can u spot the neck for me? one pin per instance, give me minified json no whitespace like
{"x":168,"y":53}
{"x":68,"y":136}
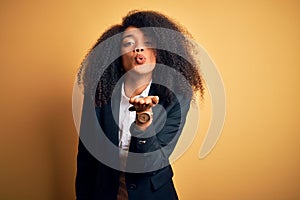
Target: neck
{"x":134,"y":86}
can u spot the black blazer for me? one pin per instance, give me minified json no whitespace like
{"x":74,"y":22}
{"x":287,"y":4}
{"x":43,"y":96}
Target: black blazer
{"x":97,"y":181}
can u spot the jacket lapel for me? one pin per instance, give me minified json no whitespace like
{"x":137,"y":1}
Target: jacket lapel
{"x":110,"y":117}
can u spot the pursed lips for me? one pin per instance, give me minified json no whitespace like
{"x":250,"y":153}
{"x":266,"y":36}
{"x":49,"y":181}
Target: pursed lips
{"x":140,"y":59}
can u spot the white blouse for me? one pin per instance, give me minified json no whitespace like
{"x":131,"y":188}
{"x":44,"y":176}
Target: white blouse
{"x":126,"y":118}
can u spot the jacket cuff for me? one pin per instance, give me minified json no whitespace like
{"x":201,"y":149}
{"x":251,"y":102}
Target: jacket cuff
{"x":136,"y":132}
{"x":143,"y":141}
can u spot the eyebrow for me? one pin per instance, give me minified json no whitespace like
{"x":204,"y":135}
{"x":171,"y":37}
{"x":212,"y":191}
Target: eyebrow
{"x":131,"y":35}
{"x":126,"y":36}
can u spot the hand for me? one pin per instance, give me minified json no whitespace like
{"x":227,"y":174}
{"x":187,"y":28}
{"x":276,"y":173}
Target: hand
{"x":143,"y":103}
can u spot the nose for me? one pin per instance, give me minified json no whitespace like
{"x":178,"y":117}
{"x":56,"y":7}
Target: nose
{"x":138,"y":50}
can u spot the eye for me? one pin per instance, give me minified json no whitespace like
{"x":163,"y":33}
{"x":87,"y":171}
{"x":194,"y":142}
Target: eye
{"x":128,"y":43}
{"x":149,"y":44}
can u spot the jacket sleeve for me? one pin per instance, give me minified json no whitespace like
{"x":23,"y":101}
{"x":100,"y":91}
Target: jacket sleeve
{"x":155,"y":144}
{"x":86,"y":167}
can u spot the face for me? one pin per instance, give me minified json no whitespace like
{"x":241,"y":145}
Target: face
{"x":138,"y":54}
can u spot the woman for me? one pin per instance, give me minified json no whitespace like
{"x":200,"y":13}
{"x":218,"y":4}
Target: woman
{"x":141,"y":106}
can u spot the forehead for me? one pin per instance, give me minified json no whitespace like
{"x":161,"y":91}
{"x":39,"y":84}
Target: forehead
{"x":134,"y":32}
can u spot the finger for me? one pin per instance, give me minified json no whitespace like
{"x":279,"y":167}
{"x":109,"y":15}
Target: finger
{"x":155,"y":99}
{"x":131,"y":100}
{"x":137,"y":101}
{"x":142,"y":101}
{"x":148,"y":100}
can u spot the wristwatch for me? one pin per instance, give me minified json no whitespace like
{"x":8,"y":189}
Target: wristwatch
{"x":144,"y":116}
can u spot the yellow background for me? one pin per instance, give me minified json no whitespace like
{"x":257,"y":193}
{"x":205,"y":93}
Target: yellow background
{"x":255,"y":45}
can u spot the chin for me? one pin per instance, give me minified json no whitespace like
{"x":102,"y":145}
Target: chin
{"x":143,"y":69}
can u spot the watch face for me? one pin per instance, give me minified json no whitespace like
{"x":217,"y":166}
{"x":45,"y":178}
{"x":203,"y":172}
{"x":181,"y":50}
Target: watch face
{"x":143,"y":117}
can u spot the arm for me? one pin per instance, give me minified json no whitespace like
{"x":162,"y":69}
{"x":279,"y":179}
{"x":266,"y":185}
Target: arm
{"x":156,"y":146}
{"x":86,"y":166}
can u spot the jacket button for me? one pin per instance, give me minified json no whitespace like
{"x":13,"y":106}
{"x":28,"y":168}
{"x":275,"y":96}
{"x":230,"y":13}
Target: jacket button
{"x":132,"y":186}
{"x":142,"y":141}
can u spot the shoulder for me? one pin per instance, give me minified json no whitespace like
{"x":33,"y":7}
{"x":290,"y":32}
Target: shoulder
{"x":168,"y":96}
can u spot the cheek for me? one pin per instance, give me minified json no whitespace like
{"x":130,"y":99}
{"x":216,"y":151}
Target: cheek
{"x":152,"y":57}
{"x":125,"y":61}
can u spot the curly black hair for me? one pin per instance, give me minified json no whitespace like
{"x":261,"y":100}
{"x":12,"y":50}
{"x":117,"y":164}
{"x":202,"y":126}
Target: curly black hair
{"x":102,"y":67}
